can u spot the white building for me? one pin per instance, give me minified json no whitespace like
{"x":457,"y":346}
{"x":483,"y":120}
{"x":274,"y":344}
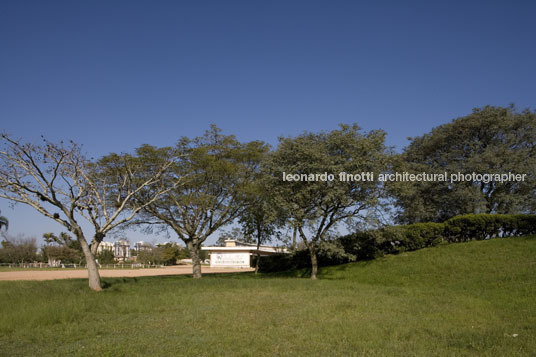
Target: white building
{"x":237,"y":254}
{"x":122,"y":250}
{"x":105,"y":246}
{"x":141,"y":245}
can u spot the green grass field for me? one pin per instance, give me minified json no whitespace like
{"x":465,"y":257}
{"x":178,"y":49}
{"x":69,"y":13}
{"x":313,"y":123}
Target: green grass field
{"x":476,"y":298}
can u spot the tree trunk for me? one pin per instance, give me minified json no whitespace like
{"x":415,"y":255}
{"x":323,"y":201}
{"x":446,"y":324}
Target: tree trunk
{"x":258,"y":257}
{"x":92,"y":268}
{"x":294,"y":238}
{"x":314,"y":262}
{"x":257,"y":263}
{"x":259,"y":237}
{"x":196,"y":261}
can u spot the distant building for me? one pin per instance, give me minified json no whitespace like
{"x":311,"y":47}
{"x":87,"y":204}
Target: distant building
{"x":122,"y":250}
{"x":238,"y":254}
{"x":141,"y":245}
{"x":105,"y":246}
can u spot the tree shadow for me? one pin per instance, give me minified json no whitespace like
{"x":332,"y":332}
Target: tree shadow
{"x":108,"y":283}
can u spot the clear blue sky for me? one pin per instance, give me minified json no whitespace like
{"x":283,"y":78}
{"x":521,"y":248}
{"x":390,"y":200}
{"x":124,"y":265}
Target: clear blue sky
{"x":116,"y":74}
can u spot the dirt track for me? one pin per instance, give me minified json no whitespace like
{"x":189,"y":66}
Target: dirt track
{"x":110,"y":273}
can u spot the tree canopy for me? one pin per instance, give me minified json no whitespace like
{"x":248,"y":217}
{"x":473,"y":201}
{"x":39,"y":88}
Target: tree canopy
{"x":318,"y":206}
{"x":489,"y":140}
{"x":217,"y":171}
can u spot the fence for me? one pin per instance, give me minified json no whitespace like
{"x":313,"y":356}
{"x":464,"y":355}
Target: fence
{"x":79,"y":266}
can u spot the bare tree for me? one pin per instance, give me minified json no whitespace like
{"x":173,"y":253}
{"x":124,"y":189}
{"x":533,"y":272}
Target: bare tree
{"x":60,"y":183}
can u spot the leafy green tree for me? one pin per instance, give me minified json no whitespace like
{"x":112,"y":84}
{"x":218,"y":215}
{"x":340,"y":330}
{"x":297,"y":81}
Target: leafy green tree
{"x":18,"y":249}
{"x":62,"y":247}
{"x":106,"y":256}
{"x":61,"y":253}
{"x":166,"y":254}
{"x":170,"y":253}
{"x":235,"y":233}
{"x":261,"y":218}
{"x":316,"y":207}
{"x":150,"y":256}
{"x":217,"y":169}
{"x":489,"y":140}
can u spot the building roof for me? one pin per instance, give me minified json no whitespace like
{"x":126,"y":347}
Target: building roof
{"x":246,"y":249}
{"x":234,"y":245}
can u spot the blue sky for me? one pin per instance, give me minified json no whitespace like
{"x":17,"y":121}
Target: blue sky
{"x":113,"y":75}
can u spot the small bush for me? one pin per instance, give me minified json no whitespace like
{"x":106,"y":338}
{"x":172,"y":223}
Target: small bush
{"x":363,"y":245}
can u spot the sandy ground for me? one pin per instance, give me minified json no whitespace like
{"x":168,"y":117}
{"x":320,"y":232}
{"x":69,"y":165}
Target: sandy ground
{"x":110,"y":273}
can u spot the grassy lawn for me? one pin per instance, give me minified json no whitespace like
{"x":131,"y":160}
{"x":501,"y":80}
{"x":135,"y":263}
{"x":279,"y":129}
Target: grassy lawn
{"x":476,"y":298}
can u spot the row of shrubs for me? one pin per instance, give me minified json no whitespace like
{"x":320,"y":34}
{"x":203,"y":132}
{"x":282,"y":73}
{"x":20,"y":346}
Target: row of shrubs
{"x":395,"y":239}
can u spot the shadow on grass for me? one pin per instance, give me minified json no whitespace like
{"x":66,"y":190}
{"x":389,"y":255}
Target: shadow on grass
{"x":118,"y":284}
{"x":113,"y":283}
{"x":335,"y":272}
{"x":326,"y":272}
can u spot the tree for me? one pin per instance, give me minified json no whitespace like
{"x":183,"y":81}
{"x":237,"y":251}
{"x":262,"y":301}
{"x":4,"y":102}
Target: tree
{"x":61,"y":253}
{"x":4,"y":223}
{"x":235,"y":233}
{"x":261,"y":216}
{"x":217,"y":170}
{"x":62,"y":248}
{"x":60,"y":183}
{"x":489,"y":140}
{"x":170,"y":253}
{"x":106,"y":257}
{"x":18,"y":249}
{"x":64,"y":239}
{"x":149,"y":256}
{"x":167,"y":254}
{"x":317,"y":206}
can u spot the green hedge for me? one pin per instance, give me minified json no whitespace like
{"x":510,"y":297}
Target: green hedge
{"x":395,"y":239}
{"x":329,"y":253}
{"x":485,"y":226}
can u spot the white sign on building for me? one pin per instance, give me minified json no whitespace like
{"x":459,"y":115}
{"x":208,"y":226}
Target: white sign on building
{"x":230,"y":260}
{"x":237,"y":254}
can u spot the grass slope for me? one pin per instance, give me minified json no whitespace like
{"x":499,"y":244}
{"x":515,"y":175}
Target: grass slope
{"x":460,"y":299}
